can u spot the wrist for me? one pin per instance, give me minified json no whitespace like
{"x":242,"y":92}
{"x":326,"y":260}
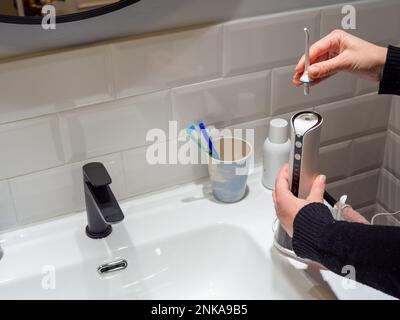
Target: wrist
{"x":381,"y":61}
{"x":390,"y":81}
{"x":308,"y":228}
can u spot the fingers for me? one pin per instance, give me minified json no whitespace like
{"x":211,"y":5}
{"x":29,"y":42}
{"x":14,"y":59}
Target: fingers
{"x":296,"y":79}
{"x":331,"y":42}
{"x":322,"y":66}
{"x":297,"y":76}
{"x":322,"y":70}
{"x":351,"y":215}
{"x":300,"y":66}
{"x":315,"y":82}
{"x":296,"y":82}
{"x":327,"y":68}
{"x":317,"y":189}
{"x":282,"y":182}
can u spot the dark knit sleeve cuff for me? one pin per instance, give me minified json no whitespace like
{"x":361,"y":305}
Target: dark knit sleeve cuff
{"x":308,"y":229}
{"x":390,"y":83}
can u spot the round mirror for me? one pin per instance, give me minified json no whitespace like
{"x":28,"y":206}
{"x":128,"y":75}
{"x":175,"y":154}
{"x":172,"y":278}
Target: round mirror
{"x":33,"y":11}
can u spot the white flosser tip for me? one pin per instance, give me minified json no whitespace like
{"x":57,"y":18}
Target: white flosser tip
{"x":305,"y":78}
{"x":306,"y":89}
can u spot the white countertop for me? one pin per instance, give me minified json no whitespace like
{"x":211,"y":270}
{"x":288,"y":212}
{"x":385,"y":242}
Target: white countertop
{"x":177,"y":213}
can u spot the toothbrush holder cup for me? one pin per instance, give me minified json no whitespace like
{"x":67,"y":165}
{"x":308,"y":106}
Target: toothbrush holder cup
{"x":228,"y":174}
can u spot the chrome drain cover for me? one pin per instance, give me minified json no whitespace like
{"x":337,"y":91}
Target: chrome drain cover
{"x":113,"y":266}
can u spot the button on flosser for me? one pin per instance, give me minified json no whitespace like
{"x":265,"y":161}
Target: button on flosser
{"x":305,"y":79}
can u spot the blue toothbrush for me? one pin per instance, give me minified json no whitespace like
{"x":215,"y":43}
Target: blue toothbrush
{"x":212,"y":151}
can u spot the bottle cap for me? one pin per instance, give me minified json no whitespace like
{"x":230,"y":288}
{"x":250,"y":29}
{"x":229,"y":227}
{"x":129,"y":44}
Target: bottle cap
{"x":278,"y":132}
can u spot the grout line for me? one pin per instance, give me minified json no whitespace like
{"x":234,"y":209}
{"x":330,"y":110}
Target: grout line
{"x":391,"y":131}
{"x":124,"y":175}
{"x":116,"y":40}
{"x":379,"y":203}
{"x":223,"y":46}
{"x":221,"y":50}
{"x":14,"y":204}
{"x":110,"y":69}
{"x":146,"y":145}
{"x":321,"y":22}
{"x":392,"y":173}
{"x":116,"y":98}
{"x":271,"y":95}
{"x":353,"y":137}
{"x":350,"y":158}
{"x":49,"y":114}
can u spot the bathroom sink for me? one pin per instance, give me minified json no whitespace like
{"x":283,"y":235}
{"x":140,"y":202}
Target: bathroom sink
{"x":220,"y":262}
{"x":179,"y":244}
{"x":214,"y":263}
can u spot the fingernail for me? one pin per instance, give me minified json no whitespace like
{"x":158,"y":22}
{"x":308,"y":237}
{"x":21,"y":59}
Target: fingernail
{"x":322,"y":178}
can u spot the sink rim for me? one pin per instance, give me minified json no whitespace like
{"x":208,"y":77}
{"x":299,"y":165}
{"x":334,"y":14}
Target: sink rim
{"x":149,"y":218}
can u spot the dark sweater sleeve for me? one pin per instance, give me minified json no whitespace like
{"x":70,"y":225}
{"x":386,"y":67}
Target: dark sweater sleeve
{"x":374,"y":251}
{"x":390,"y":83}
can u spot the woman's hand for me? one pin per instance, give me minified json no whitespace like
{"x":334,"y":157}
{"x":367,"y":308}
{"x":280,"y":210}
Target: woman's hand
{"x":287,"y":205}
{"x":350,"y":215}
{"x":341,"y":51}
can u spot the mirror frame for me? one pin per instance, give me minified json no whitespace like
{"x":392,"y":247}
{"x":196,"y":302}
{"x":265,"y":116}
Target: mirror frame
{"x":37,"y":20}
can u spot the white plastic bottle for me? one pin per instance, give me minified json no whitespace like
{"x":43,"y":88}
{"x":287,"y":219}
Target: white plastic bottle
{"x":275,"y":151}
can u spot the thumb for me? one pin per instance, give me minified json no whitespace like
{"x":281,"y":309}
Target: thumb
{"x":317,"y":189}
{"x":326,"y":68}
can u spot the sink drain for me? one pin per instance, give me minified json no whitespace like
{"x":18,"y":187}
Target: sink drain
{"x":113,"y":266}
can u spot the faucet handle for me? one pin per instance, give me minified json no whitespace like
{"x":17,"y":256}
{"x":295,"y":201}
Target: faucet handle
{"x":96,"y":174}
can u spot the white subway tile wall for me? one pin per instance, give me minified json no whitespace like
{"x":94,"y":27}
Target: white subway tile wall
{"x":30,"y":145}
{"x":113,"y":126}
{"x":389,"y":183}
{"x":8,"y":217}
{"x":394,"y":120}
{"x":97,"y":103}
{"x":388,"y":191}
{"x":334,"y":160}
{"x":142,"y":177}
{"x":361,"y":189}
{"x":376,"y":21}
{"x":392,"y":155}
{"x":380,"y":209}
{"x":260,"y":43}
{"x":166,"y":61}
{"x":219,"y":102}
{"x":286,"y":97}
{"x":366,"y":86}
{"x":261,"y":128}
{"x":55,"y":82}
{"x":354,"y":117}
{"x":367,"y":153}
{"x":59,"y":190}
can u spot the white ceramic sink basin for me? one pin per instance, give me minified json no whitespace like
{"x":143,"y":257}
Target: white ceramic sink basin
{"x":217,"y":262}
{"x":179,"y":244}
{"x":220,"y":262}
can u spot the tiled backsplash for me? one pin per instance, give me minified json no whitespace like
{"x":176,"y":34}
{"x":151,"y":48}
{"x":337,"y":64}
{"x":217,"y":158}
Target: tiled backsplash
{"x":60,"y":110}
{"x":389,"y":182}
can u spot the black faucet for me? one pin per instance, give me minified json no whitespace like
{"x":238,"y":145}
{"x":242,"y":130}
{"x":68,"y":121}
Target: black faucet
{"x":101,"y":206}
